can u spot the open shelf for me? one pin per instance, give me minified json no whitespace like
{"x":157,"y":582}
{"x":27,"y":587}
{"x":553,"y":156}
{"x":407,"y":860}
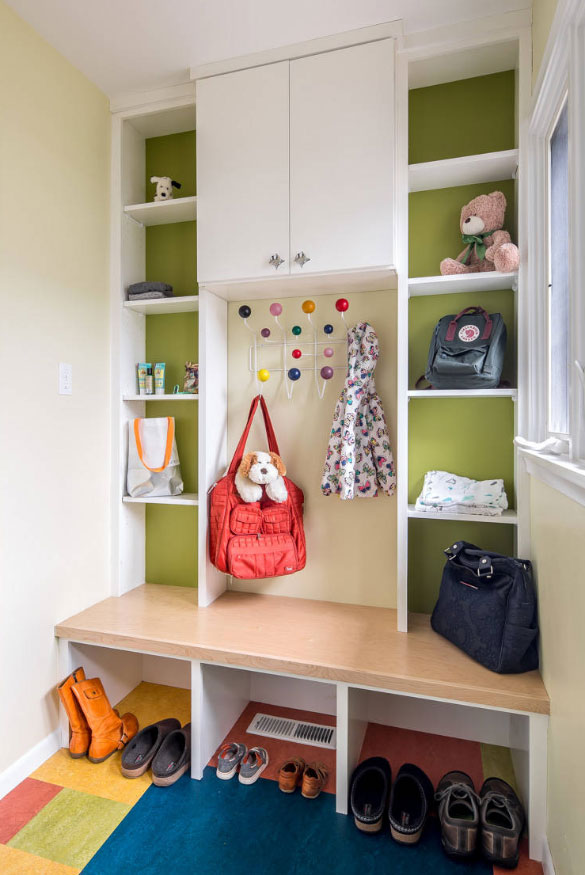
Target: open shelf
{"x":508,"y":517}
{"x":183,"y":396}
{"x":488,"y":281}
{"x":157,"y":306}
{"x":187,"y":499}
{"x":463,"y":393}
{"x":486,"y":167}
{"x":183,"y":209}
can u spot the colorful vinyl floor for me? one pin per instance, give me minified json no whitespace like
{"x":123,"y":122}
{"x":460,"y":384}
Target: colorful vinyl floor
{"x":71,"y":816}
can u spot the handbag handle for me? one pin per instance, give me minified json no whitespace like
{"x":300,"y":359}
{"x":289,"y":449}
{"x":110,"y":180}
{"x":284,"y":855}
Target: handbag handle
{"x":272,"y":443}
{"x":453,"y":323}
{"x":168,"y":448}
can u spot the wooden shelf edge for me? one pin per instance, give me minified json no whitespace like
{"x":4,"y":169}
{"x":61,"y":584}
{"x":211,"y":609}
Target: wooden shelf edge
{"x":508,"y":517}
{"x":465,"y":170}
{"x":156,"y":306}
{"x":186,"y":499}
{"x":463,"y":393}
{"x":179,"y":396}
{"x":488,"y":281}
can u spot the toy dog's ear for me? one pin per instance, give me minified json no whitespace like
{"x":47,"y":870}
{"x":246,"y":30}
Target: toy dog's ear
{"x":246,"y":463}
{"x":176,"y":184}
{"x":155,"y":178}
{"x":278,"y":464}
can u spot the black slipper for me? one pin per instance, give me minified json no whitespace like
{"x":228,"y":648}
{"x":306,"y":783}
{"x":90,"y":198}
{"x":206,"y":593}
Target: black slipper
{"x":173,"y":758}
{"x":140,"y":752}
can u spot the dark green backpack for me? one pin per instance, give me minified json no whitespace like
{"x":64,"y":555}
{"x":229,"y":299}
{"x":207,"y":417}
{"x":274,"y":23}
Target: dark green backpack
{"x":467,"y":351}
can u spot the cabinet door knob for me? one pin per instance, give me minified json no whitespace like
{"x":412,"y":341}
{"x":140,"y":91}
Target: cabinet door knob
{"x":275,"y":260}
{"x":301,"y":259}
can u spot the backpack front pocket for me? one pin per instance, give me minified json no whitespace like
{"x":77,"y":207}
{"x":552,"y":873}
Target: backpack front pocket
{"x":276,"y":520}
{"x":253,"y":557}
{"x":246,"y":519}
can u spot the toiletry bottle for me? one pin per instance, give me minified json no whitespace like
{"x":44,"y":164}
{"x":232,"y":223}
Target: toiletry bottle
{"x":149,"y":381}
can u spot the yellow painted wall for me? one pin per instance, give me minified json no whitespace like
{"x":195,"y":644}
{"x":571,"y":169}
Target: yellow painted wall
{"x":54,"y":519}
{"x":558,"y":525}
{"x":543,"y":12}
{"x":351,"y":545}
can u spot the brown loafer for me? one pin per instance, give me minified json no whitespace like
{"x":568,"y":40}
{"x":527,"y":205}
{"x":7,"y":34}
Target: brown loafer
{"x":291,"y":774}
{"x":314,"y":779}
{"x":502,"y":821}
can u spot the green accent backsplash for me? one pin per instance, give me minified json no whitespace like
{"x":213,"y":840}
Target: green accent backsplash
{"x":171,"y":532}
{"x":462,"y":118}
{"x":472,"y":437}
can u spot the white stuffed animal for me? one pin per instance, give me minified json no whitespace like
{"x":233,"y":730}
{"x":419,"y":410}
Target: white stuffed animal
{"x":164,"y":187}
{"x":259,"y":470}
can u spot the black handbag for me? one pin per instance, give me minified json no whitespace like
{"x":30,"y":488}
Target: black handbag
{"x":487,"y":607}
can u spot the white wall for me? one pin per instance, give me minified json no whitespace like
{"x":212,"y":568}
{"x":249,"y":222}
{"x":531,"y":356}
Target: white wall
{"x":54,"y":450}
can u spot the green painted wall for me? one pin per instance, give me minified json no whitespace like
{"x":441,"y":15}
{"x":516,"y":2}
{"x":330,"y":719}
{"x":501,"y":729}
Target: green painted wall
{"x":471,"y":437}
{"x":462,"y":118}
{"x":171,"y":532}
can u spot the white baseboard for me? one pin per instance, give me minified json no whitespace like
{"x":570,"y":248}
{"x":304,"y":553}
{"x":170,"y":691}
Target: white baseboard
{"x":547,"y":860}
{"x":28,"y":762}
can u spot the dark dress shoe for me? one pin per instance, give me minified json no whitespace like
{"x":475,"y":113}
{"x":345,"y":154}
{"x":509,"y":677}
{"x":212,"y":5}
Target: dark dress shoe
{"x":502,"y":821}
{"x":410,"y":803}
{"x":368,"y":796}
{"x":173,"y":757}
{"x":140,"y":752}
{"x":458,"y":814}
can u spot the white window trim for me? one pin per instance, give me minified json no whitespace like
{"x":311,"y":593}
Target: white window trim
{"x":562,"y":71}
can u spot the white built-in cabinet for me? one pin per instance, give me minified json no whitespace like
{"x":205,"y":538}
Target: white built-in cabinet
{"x":295,"y":166}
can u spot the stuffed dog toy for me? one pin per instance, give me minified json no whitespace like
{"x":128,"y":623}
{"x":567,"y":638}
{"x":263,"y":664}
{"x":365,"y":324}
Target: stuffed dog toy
{"x":164,"y":187}
{"x":261,"y":469}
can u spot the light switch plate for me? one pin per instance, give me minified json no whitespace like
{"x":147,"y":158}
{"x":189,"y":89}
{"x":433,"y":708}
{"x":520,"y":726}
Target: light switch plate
{"x":65,"y":378}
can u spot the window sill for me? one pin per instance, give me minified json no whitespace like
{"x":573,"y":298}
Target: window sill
{"x":557,"y":471}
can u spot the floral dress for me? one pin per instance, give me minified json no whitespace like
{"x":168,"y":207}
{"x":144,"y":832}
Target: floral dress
{"x":359,"y":460}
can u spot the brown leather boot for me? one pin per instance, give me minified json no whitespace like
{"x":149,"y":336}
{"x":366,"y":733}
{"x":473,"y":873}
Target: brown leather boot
{"x":109,"y":732}
{"x":79,"y":734}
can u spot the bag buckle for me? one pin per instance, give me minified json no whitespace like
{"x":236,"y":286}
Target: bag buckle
{"x":484,"y":569}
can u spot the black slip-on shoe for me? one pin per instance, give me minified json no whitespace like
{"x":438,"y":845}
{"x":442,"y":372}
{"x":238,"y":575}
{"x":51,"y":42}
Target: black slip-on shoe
{"x":458,"y":809}
{"x":369,"y":791}
{"x":140,"y":752}
{"x":410,"y":804}
{"x":173,"y":757}
{"x":502,"y":820}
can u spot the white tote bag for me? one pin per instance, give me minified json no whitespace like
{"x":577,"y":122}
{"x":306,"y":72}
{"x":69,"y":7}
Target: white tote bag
{"x":153,"y":461}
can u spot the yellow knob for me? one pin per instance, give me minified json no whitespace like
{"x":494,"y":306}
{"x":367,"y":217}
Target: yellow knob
{"x":308,"y":306}
{"x":263,"y":375}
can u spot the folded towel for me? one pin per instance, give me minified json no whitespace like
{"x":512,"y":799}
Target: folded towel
{"x":443,"y":492}
{"x":146,"y":296}
{"x":144,"y":287}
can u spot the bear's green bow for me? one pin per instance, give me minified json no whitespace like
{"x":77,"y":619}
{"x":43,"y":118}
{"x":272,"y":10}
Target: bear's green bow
{"x":477,"y":241}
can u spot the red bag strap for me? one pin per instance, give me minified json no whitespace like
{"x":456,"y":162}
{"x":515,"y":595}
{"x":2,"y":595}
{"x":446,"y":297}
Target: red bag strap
{"x":272,"y":443}
{"x":453,"y":323}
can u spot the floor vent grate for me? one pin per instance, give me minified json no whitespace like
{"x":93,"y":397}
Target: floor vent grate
{"x":293,"y":730}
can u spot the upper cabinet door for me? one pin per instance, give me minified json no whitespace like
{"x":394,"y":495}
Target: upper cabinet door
{"x":243,"y":173}
{"x":342,"y":158}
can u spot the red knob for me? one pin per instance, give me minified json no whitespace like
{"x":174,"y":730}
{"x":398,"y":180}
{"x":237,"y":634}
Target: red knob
{"x":296,"y":353}
{"x":342,"y":304}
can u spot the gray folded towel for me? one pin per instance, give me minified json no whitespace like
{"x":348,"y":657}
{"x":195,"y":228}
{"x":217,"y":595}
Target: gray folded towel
{"x":140,"y":289}
{"x":147,"y":296}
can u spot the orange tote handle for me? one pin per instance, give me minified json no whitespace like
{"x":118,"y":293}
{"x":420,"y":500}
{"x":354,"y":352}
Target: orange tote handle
{"x":169,"y":447}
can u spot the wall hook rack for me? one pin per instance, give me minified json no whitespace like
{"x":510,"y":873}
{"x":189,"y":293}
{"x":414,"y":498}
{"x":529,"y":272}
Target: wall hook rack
{"x":312,"y":349}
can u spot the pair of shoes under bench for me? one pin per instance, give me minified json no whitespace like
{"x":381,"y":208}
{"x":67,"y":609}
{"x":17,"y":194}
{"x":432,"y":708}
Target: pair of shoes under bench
{"x":164,"y":747}
{"x":234,"y":757}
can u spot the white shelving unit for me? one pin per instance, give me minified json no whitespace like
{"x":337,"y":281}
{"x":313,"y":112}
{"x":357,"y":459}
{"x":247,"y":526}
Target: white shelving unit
{"x":158,"y":306}
{"x":508,"y":517}
{"x":186,"y":498}
{"x":463,"y":393}
{"x":167,"y":397}
{"x":182,"y":209}
{"x":129,"y":319}
{"x":488,"y":281}
{"x":486,"y":167}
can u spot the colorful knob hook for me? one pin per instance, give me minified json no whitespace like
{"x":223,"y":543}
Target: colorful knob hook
{"x":245,"y":311}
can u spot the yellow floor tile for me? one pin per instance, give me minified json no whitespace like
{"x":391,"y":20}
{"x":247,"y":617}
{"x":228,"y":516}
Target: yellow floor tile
{"x":497,"y":763}
{"x":149,"y":702}
{"x":15,"y":862}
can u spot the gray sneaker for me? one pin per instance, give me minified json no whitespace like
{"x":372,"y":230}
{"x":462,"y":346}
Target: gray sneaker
{"x":253,"y":764}
{"x":229,"y":758}
{"x":458,"y":809}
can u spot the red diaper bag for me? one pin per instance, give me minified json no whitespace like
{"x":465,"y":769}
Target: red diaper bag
{"x":258,"y":539}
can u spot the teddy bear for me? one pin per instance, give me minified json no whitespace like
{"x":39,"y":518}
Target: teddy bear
{"x":488,"y":247}
{"x":259,"y":470}
{"x":164,"y":187}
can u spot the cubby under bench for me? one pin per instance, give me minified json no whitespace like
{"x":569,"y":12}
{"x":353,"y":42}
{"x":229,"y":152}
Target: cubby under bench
{"x":344,"y":660}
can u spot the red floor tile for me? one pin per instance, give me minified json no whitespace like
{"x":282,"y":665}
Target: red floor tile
{"x":525,"y":866}
{"x":435,"y":754}
{"x":22,"y":804}
{"x":279,"y":751}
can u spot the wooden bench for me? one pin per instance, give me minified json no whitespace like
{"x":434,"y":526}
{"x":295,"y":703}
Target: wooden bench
{"x":354,"y":650}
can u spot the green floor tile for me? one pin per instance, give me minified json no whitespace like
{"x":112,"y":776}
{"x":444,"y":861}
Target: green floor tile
{"x":497,"y":763}
{"x":71,"y":828}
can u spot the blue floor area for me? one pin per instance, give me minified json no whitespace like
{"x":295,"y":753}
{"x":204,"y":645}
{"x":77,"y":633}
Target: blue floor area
{"x":227,"y":828}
